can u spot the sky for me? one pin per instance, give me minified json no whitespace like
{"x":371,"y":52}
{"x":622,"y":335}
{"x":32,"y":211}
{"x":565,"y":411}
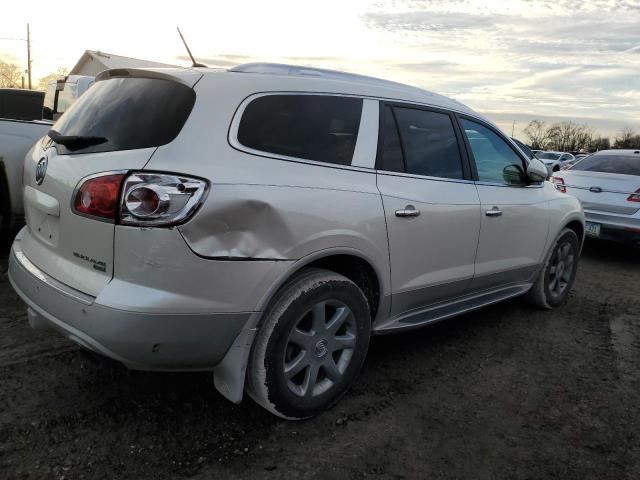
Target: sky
{"x":513,"y":60}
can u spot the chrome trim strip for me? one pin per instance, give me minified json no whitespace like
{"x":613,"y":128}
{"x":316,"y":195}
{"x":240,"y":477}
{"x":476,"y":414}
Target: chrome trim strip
{"x":567,"y":185}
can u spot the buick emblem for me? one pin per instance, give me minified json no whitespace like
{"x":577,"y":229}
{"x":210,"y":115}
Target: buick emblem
{"x":41,"y":169}
{"x":595,"y":190}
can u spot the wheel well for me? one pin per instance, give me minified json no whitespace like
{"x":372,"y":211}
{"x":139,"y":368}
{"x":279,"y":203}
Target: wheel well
{"x":577,"y":227}
{"x":357,"y":270}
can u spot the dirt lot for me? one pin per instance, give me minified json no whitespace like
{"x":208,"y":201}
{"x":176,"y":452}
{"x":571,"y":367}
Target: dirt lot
{"x":505,"y":392}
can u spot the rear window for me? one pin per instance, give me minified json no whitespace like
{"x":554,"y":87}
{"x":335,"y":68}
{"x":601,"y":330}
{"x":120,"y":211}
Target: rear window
{"x":129,"y":113}
{"x":311,"y":127}
{"x":21,"y":104}
{"x":624,"y":164}
{"x":548,"y":156}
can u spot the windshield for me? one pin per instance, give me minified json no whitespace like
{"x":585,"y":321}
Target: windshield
{"x":548,"y":156}
{"x":624,"y":164}
{"x":129,"y":113}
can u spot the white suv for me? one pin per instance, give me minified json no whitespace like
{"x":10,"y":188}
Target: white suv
{"x":263,"y":222}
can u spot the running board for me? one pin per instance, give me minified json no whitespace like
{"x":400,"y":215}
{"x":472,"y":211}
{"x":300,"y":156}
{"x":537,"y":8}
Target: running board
{"x":435,"y":313}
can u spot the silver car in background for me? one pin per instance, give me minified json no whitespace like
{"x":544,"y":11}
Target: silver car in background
{"x":263,"y":222}
{"x":555,"y":160}
{"x":608,"y":185}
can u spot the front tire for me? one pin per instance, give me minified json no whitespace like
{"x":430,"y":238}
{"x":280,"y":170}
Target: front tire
{"x":556,"y":278}
{"x":311,"y":345}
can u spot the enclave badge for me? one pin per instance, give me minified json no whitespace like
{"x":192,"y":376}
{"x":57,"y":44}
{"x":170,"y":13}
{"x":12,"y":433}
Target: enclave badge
{"x":41,"y":169}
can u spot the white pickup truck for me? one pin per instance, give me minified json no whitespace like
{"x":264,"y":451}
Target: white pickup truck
{"x":18,"y":136}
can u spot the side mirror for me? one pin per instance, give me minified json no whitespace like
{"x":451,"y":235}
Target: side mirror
{"x":514,"y":175}
{"x":537,"y":171}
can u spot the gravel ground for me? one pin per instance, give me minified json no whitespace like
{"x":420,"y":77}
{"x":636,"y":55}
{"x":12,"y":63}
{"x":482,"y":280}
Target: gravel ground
{"x":504,"y":392}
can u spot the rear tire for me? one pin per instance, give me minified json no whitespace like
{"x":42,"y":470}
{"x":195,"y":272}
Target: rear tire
{"x":558,"y":274}
{"x":311,"y":345}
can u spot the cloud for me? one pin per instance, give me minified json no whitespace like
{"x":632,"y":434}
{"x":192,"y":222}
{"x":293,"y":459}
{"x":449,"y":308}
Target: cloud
{"x":537,"y":58}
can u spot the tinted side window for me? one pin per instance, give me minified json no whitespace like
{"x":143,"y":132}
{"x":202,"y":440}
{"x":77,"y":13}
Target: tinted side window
{"x":312,"y":127}
{"x":495,"y":160}
{"x":391,"y":158}
{"x":429,"y":143}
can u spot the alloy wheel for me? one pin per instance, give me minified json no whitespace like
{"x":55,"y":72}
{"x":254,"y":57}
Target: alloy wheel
{"x":319,"y":348}
{"x":561,"y":269}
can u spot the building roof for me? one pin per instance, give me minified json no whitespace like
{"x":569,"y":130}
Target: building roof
{"x":109,"y":60}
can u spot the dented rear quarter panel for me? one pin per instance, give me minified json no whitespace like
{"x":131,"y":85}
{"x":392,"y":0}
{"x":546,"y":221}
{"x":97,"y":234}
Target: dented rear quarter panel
{"x":261,"y":208}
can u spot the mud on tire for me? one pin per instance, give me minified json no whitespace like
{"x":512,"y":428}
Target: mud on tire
{"x":555,"y":280}
{"x":310,"y":345}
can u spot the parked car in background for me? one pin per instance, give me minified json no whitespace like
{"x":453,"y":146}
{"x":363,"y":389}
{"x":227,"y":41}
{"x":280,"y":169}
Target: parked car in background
{"x":263,"y":222}
{"x":608,"y":185}
{"x":18,"y":136}
{"x":555,"y":160}
{"x":62,"y":92}
{"x":576,"y":159}
{"x":20,"y":104}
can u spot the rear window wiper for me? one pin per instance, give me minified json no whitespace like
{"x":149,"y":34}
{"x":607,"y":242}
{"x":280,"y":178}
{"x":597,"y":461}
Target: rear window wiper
{"x":75,"y":142}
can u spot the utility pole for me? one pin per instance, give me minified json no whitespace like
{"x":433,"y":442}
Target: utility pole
{"x":513,"y":128}
{"x":29,"y":55}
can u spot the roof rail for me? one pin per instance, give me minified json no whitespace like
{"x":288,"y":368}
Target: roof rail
{"x":284,"y":69}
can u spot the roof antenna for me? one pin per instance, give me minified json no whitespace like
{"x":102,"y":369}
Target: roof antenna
{"x":193,"y":60}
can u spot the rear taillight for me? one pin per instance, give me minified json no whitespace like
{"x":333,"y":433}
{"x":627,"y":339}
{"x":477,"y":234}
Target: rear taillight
{"x":160,"y":199}
{"x":634,"y":197}
{"x":98,"y":196}
{"x":142,"y":199}
{"x":559,"y":183}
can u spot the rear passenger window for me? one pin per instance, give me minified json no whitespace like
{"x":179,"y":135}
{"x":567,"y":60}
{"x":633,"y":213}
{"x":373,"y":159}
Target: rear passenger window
{"x":312,"y":127}
{"x":429,"y":143}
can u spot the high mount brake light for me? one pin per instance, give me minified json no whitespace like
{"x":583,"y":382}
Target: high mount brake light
{"x":559,"y":183}
{"x":634,"y":197}
{"x":159,"y":199}
{"x":98,"y":197}
{"x":141,"y":199}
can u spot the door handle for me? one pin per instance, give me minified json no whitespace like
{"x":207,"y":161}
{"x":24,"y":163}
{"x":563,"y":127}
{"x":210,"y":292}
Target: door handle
{"x":494,"y":212}
{"x":408,"y":211}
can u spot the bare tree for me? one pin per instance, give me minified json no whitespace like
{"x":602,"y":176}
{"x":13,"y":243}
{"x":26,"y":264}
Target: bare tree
{"x":627,"y":139}
{"x":599,"y":143}
{"x":569,"y":136}
{"x":10,"y":75}
{"x":44,"y":81}
{"x":536,"y":132}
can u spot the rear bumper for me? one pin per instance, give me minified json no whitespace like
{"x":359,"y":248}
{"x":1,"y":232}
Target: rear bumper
{"x":619,"y":228}
{"x":143,"y":341}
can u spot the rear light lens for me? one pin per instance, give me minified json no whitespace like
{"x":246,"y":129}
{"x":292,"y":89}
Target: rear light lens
{"x":141,"y":199}
{"x":634,"y":197}
{"x":158,"y":199}
{"x":98,"y":196}
{"x":559,"y":183}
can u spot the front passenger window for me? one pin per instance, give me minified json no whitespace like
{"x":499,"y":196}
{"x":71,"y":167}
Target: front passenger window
{"x":495,"y":160}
